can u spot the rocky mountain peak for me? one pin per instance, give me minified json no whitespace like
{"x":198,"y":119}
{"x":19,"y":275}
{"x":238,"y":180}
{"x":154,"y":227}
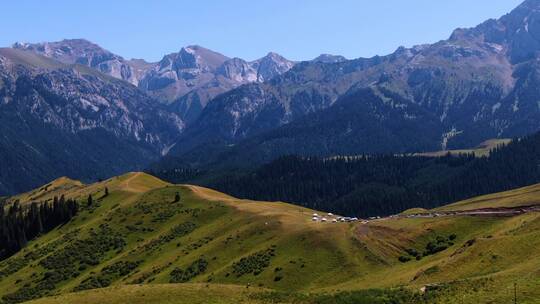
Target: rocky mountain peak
{"x":190,"y":61}
{"x":195,"y":56}
{"x":516,"y":33}
{"x":529,"y":5}
{"x":329,"y":58}
{"x":271,"y":65}
{"x":238,"y":70}
{"x":71,"y":51}
{"x":84,"y":52}
{"x":274,"y":56}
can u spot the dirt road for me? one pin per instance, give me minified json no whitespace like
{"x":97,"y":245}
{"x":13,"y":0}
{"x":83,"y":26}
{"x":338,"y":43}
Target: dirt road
{"x":500,"y":211}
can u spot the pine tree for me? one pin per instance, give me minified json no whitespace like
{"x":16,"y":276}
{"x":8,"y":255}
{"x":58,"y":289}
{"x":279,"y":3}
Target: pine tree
{"x":19,"y":225}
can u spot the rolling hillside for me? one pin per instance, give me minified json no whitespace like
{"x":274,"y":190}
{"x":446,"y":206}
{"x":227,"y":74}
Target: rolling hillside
{"x":141,"y":245}
{"x":482,"y":149}
{"x":522,"y":197}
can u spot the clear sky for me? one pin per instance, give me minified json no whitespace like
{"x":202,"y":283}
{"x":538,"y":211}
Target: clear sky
{"x":297,"y":29}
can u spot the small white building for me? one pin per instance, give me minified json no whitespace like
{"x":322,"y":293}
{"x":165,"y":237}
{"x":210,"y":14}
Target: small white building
{"x":314,"y":218}
{"x":323,"y":219}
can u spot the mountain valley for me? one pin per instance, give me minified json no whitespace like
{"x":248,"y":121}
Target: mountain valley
{"x":200,"y":177}
{"x":197,"y":108}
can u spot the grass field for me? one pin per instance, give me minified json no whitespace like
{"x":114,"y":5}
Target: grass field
{"x":137,"y":245}
{"x":481,"y":150}
{"x":526,"y":196}
{"x":159,"y":294}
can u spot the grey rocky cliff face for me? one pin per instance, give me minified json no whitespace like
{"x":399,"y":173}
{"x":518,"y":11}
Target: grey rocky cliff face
{"x":75,"y":100}
{"x":270,"y":66}
{"x":328,"y":58}
{"x":187,"y":79}
{"x":194,"y":95}
{"x":83,"y":52}
{"x":62,"y":119}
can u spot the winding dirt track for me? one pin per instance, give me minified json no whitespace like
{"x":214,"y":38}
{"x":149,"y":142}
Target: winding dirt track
{"x":499,"y":211}
{"x":268,"y":207}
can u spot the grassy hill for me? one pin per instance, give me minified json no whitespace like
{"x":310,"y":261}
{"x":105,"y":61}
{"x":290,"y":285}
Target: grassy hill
{"x":137,"y":245}
{"x":526,"y":196}
{"x":482,"y":149}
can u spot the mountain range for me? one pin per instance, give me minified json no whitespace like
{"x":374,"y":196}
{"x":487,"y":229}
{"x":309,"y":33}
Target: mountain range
{"x":74,"y":108}
{"x":204,"y":178}
{"x":186,"y":80}
{"x":480,"y":83}
{"x":72,"y":102}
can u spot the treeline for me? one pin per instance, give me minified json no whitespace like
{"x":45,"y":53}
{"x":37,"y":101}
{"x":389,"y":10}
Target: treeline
{"x":20,"y":224}
{"x":360,"y":186}
{"x":382,"y":184}
{"x":508,"y":167}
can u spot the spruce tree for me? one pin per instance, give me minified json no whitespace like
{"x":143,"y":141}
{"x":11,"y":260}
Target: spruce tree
{"x":90,"y":200}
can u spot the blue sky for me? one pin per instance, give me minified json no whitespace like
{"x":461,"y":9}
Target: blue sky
{"x":297,"y":29}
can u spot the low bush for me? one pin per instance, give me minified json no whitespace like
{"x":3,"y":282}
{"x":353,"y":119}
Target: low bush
{"x":439,"y":244}
{"x":404,"y":259}
{"x":179,"y":275}
{"x":64,"y":264}
{"x":254,"y":263}
{"x":108,"y":275}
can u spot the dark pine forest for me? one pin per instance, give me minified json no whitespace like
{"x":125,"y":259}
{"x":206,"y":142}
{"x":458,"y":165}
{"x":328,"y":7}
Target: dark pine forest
{"x":377,"y":184}
{"x":20,"y":224}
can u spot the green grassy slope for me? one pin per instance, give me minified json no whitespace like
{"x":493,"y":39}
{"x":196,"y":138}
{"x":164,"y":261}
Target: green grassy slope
{"x":137,"y":240}
{"x":526,"y":196}
{"x":482,"y":149}
{"x":188,"y":293}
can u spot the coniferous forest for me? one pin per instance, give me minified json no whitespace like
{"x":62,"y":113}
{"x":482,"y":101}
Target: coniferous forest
{"x":20,"y":224}
{"x":378,"y":184}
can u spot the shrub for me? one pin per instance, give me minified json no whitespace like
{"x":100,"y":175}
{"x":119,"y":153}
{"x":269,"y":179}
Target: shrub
{"x":412,"y":252}
{"x":64,"y":264}
{"x":176,"y":232}
{"x":254,"y":263}
{"x":432,"y":247}
{"x":108,"y":275}
{"x":404,"y":259}
{"x":179,"y":275}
